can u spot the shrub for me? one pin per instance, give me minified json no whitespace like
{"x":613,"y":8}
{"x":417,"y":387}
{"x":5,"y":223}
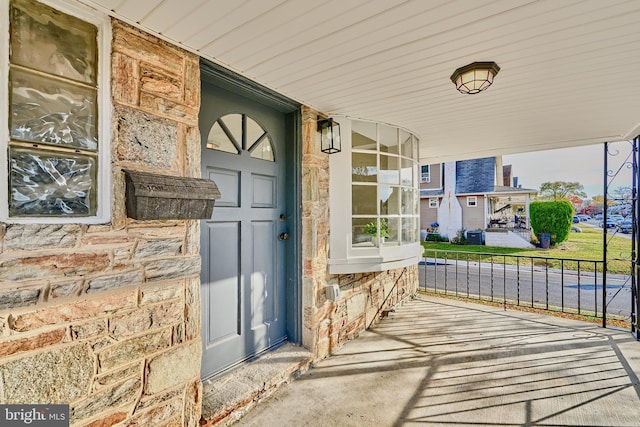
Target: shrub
{"x":435,"y":237}
{"x":553,"y":217}
{"x":460,"y":237}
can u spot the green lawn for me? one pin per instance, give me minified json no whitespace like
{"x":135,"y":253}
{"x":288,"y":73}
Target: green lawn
{"x":580,"y":246}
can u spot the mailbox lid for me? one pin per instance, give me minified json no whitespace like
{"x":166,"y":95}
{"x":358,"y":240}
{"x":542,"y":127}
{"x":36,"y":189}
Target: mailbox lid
{"x":144,"y":184}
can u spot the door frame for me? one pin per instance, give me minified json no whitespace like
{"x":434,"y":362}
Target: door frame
{"x":242,"y":86}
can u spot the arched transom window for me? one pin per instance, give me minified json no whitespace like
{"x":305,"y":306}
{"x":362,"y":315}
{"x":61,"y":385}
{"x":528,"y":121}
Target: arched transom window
{"x":235,"y":133}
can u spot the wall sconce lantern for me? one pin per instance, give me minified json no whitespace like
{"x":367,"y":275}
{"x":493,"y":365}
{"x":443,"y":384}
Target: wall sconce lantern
{"x":474,"y":78}
{"x":330,"y":136}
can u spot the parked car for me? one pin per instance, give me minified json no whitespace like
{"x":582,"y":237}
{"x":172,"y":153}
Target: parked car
{"x":576,"y":219}
{"x":616,"y":218}
{"x":625,"y":226}
{"x":598,"y":217}
{"x":583,"y":217}
{"x":610,"y":224}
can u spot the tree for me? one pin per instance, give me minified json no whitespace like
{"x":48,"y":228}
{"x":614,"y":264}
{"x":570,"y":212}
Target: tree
{"x":558,"y":190}
{"x":621,"y":193}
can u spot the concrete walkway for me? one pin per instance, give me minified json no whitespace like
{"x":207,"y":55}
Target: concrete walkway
{"x":442,"y":362}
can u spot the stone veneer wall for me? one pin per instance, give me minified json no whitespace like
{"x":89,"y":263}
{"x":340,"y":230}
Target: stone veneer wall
{"x":365,"y":297}
{"x":107,"y":317}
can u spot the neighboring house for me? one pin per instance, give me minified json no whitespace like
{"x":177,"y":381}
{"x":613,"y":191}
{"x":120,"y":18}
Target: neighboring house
{"x":464,"y":194}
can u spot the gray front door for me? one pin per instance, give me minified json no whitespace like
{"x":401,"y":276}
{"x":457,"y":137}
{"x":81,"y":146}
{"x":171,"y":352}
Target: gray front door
{"x":243,"y":244}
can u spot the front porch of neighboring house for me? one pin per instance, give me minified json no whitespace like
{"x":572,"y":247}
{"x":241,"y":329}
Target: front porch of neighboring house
{"x":508,"y":211}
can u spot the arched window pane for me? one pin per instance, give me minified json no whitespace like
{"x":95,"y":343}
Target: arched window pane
{"x":263,"y":150}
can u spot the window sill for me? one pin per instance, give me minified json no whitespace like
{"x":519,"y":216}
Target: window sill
{"x":377,"y":263}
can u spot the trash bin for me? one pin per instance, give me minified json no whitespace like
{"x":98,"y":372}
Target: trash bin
{"x":474,"y":237}
{"x":545,"y":240}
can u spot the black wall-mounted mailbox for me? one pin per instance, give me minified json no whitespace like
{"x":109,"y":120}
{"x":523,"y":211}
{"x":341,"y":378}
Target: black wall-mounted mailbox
{"x":153,"y":196}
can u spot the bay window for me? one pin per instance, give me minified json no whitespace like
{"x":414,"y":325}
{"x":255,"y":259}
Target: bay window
{"x":374,"y":198}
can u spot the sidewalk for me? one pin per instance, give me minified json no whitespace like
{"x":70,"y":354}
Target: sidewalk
{"x":444,"y":362}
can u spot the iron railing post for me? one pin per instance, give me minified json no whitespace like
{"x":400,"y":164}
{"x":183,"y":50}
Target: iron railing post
{"x":604,"y":237}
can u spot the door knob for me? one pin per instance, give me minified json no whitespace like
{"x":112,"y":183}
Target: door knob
{"x":283,"y":236}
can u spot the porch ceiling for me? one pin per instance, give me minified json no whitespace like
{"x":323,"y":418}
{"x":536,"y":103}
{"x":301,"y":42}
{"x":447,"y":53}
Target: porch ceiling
{"x":569,"y":68}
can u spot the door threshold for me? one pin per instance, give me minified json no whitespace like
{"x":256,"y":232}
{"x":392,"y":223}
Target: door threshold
{"x":226,"y":398}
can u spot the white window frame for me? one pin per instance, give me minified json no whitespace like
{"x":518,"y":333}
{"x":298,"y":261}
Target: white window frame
{"x":425,"y":176}
{"x":103,"y":176}
{"x":433,"y":203}
{"x":344,"y":258}
{"x":472,"y":201}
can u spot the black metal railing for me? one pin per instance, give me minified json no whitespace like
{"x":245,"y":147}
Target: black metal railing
{"x":564,"y":285}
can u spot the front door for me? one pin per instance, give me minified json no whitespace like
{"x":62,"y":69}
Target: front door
{"x":243,"y":244}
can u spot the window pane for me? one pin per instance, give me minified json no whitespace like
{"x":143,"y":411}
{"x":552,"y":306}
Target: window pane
{"x":363,"y":167}
{"x":361,"y":234}
{"x":389,"y":140}
{"x":409,"y":202}
{"x":233,"y":123}
{"x":406,"y":141}
{"x":389,"y":170}
{"x":363,"y":200}
{"x":389,"y":200}
{"x":218,"y":140}
{"x":50,"y":41}
{"x":254,"y":131}
{"x":48,"y":111}
{"x":363,"y":135}
{"x":49,"y":184}
{"x":393,"y":231}
{"x":410,"y":232}
{"x":263,"y":150}
{"x":407,"y":172}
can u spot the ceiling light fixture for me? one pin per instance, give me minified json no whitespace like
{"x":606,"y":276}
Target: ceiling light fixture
{"x":475,"y":77}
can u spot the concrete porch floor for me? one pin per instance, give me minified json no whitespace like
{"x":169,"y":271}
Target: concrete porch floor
{"x":444,"y":362}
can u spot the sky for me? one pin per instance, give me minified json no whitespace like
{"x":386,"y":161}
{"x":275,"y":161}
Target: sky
{"x":582,"y":164}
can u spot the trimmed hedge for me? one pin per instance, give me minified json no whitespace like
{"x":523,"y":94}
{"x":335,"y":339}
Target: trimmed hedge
{"x":553,"y":217}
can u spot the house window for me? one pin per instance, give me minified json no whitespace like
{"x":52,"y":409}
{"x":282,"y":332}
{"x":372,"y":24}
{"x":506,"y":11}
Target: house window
{"x":424,"y":174}
{"x":472,"y":201}
{"x":433,"y":203}
{"x":381,"y":199}
{"x":56,"y":156}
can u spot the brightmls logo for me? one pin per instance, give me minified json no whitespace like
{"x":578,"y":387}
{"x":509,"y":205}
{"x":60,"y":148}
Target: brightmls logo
{"x":34,"y":415}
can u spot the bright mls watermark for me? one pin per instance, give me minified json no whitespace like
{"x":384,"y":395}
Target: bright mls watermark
{"x":34,"y":415}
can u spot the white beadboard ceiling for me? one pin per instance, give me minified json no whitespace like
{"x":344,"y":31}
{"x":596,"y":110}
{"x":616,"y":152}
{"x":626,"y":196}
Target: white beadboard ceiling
{"x":570,"y":69}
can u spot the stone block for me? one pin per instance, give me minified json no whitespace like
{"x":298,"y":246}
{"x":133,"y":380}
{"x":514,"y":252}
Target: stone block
{"x":193,"y":404}
{"x":63,"y":375}
{"x":129,"y":278}
{"x":355,"y":307}
{"x":172,"y":268}
{"x":161,"y":370}
{"x":108,"y":420}
{"x":19,"y":297}
{"x":75,"y":311}
{"x":153,"y":230}
{"x":144,"y":139}
{"x":192,"y":241}
{"x":193,"y":152}
{"x":14,"y":345}
{"x":158,"y":399}
{"x":45,"y":266}
{"x":158,"y":291}
{"x":192,"y":81}
{"x":114,"y":395}
{"x":122,"y":325}
{"x":65,"y":289}
{"x":162,"y":84}
{"x":110,"y":378}
{"x":41,"y":236}
{"x":169,"y":414}
{"x":125,"y":78}
{"x":125,"y":352}
{"x":168,"y":109}
{"x":158,"y":248}
{"x":88,"y":330}
{"x":145,"y":47}
{"x":192,"y":309}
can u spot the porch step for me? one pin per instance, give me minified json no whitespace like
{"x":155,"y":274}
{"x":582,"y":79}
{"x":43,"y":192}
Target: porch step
{"x":226,"y":399}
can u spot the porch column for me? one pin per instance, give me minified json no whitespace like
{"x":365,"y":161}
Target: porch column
{"x":526,"y":209}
